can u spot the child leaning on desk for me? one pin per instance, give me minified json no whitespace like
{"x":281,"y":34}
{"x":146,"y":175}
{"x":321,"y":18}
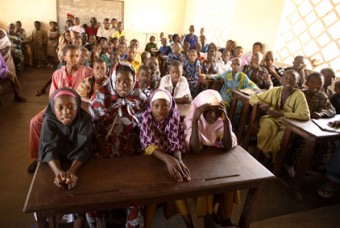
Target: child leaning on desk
{"x":67,"y":134}
{"x":209,"y":125}
{"x":162,"y":137}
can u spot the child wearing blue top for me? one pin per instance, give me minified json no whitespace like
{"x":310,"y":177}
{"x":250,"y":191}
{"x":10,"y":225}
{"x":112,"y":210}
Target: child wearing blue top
{"x":192,"y":68}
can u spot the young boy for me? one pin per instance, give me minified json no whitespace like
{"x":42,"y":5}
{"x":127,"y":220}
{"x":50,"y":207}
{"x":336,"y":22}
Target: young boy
{"x":318,"y":103}
{"x":39,"y":43}
{"x":176,"y":84}
{"x":131,"y":51}
{"x":335,"y":99}
{"x":329,"y":76}
{"x":114,"y":59}
{"x":89,"y":85}
{"x":69,"y":76}
{"x":279,"y":102}
{"x":224,"y":64}
{"x":144,"y":57}
{"x":151,"y":45}
{"x":84,"y":57}
{"x":238,"y":53}
{"x":144,"y":80}
{"x":257,"y":47}
{"x":300,"y":67}
{"x":209,"y":65}
{"x":192,"y":69}
{"x":134,"y":43}
{"x":155,"y":75}
{"x":121,"y":51}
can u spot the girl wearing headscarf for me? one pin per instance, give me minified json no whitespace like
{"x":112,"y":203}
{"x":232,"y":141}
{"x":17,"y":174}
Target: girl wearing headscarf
{"x":5,"y":51}
{"x":116,"y":109}
{"x":161,"y":136}
{"x":67,"y":134}
{"x":209,"y":125}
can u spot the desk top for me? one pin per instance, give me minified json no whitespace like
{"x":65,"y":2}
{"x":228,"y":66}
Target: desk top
{"x":311,"y":128}
{"x":184,"y":109}
{"x":124,"y":181}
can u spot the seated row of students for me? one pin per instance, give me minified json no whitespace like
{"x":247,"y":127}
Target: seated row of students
{"x":116,"y":110}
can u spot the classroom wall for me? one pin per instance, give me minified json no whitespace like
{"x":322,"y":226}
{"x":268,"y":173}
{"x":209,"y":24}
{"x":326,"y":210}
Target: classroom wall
{"x":27,"y":12}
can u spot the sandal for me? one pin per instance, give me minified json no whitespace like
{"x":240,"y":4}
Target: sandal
{"x":39,"y":92}
{"x":327,"y":191}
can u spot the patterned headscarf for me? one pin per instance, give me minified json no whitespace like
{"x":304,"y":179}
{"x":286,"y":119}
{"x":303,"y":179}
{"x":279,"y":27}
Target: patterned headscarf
{"x":167,"y":135}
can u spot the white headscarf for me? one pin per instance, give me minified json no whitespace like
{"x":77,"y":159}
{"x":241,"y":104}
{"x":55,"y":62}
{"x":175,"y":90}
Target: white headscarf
{"x":4,"y":42}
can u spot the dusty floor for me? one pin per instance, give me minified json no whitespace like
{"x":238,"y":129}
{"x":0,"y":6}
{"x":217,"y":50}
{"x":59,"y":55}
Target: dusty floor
{"x":14,"y":124}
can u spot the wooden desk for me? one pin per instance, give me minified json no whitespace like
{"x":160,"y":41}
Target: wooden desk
{"x":140,"y":180}
{"x":184,"y":109}
{"x":311,"y":134}
{"x":239,"y":96}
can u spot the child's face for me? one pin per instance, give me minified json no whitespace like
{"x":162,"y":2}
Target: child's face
{"x":211,"y":56}
{"x":99,"y":72}
{"x":115,"y":42}
{"x":202,"y":39}
{"x":92,"y":39}
{"x":77,"y":42}
{"x":121,"y":48}
{"x":289,"y":80}
{"x":192,"y":56}
{"x":314,"y":84}
{"x":124,"y":83}
{"x":299,"y":63}
{"x":71,"y":58}
{"x":11,"y":28}
{"x":238,"y":52}
{"x":102,"y":42}
{"x":225,"y":56}
{"x":175,"y":73}
{"x":197,"y":47}
{"x":53,"y":26}
{"x":94,"y":56}
{"x":97,"y":49}
{"x":106,"y":24}
{"x":329,"y":78}
{"x":134,"y":44}
{"x":153,"y":64}
{"x":144,"y":58}
{"x":255,"y":61}
{"x":269,"y":60}
{"x":152,"y":39}
{"x":109,"y":49}
{"x":160,"y":109}
{"x":37,"y":25}
{"x":65,"y":109}
{"x":186,"y":47}
{"x":163,"y":42}
{"x":143,"y":74}
{"x":236,"y":65}
{"x":212,"y":114}
{"x":256,"y":48}
{"x":175,"y":48}
{"x":131,"y":53}
{"x":68,"y":36}
{"x":229,"y":45}
{"x":83,"y":57}
{"x":114,"y":59}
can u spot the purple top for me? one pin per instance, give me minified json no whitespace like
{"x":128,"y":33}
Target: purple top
{"x":3,"y":68}
{"x":192,"y":40}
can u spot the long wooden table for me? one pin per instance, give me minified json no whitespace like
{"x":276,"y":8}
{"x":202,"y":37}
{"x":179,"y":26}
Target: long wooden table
{"x":312,"y":134}
{"x":140,"y":180}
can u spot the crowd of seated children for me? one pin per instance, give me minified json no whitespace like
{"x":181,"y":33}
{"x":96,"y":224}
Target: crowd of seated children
{"x":176,"y":84}
{"x":116,"y":108}
{"x":208,"y":125}
{"x":9,"y":71}
{"x":278,"y":102}
{"x":161,"y":136}
{"x":258,"y":73}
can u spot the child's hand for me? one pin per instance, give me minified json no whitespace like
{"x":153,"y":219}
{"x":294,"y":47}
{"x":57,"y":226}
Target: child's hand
{"x":274,"y":113}
{"x":200,"y":110}
{"x":224,"y":115}
{"x":59,"y":179}
{"x":264,"y":106}
{"x":177,"y":169}
{"x":334,"y":124}
{"x":71,"y":180}
{"x":316,"y":115}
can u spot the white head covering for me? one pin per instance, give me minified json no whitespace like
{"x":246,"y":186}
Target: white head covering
{"x":4,"y":42}
{"x":160,"y":95}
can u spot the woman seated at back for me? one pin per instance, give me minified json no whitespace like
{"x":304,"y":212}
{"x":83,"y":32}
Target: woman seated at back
{"x":209,"y":125}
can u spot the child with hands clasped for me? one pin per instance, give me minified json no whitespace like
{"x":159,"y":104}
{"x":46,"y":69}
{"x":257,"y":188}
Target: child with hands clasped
{"x":161,"y":136}
{"x":67,"y":134}
{"x":209,"y":125}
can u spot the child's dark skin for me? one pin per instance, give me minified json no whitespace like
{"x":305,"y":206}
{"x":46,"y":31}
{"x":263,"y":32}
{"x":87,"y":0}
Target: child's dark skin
{"x":211,"y":113}
{"x":314,"y":85}
{"x":176,"y":74}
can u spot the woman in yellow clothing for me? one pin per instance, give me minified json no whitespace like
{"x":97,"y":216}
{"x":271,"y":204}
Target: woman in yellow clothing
{"x":209,"y":125}
{"x":280,"y":102}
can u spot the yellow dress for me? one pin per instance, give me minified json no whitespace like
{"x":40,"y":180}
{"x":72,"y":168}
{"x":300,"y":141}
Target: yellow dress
{"x":271,"y":129}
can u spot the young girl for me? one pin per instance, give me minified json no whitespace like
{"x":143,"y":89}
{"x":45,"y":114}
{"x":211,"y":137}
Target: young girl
{"x":224,"y":64}
{"x":39,"y":42}
{"x":161,"y":136}
{"x":52,"y":44}
{"x":115,"y":109}
{"x":67,"y":134}
{"x":192,"y":69}
{"x":209,"y":125}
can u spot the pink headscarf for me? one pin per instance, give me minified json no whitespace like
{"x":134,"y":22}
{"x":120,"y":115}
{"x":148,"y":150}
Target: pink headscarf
{"x":209,"y":134}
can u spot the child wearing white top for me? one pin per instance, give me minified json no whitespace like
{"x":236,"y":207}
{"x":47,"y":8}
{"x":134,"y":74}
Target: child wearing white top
{"x":224,"y":64}
{"x":176,"y":84}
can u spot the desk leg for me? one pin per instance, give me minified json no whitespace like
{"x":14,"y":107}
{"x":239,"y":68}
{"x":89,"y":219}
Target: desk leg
{"x":282,"y":153}
{"x":232,"y":108}
{"x":248,"y":208}
{"x":243,"y":120}
{"x":303,"y":163}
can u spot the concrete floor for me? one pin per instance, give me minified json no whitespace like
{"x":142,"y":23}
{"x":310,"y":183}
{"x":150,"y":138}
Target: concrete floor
{"x":14,"y":124}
